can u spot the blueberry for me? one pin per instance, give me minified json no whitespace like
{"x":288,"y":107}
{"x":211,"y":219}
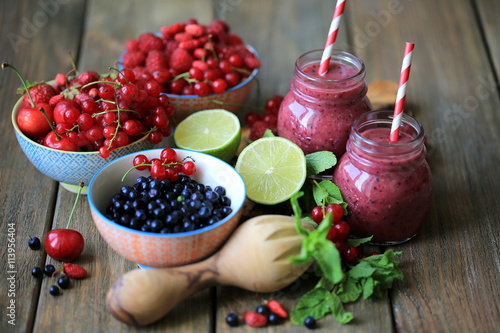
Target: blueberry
{"x":232,"y":319}
{"x":63,"y":282}
{"x":140,"y":215}
{"x":226,"y":201}
{"x":274,"y":319}
{"x":54,"y":290}
{"x":34,"y":243}
{"x":212,"y":196}
{"x":49,"y":269}
{"x":141,"y":179}
{"x":204,"y":212}
{"x":186,"y":193}
{"x":263,"y":309}
{"x":310,"y":322}
{"x":197,"y":196}
{"x":220,"y":190}
{"x":36,"y":272}
{"x":156,"y":225}
{"x":156,"y":184}
{"x":226,"y":211}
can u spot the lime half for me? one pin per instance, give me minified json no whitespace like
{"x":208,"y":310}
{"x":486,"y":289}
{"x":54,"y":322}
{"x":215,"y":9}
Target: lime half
{"x":216,"y":132}
{"x":273,"y":169}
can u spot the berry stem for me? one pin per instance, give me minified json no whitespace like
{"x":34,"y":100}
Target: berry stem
{"x":5,"y":65}
{"x":74,"y":205}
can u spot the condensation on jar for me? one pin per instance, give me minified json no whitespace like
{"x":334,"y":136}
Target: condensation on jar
{"x":387,"y":186}
{"x":318,"y":111}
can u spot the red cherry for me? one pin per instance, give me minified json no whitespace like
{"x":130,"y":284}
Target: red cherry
{"x":60,"y":142}
{"x":32,"y":122}
{"x":64,"y":244}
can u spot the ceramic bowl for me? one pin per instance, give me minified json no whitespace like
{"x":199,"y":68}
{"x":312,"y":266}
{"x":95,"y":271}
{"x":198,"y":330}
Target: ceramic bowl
{"x":157,"y":250}
{"x":69,"y":168}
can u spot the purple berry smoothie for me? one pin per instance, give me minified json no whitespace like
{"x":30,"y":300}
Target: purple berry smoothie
{"x":387,"y":186}
{"x":318,"y":112}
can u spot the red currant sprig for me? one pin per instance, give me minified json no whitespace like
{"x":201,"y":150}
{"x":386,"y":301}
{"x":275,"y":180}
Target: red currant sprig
{"x":165,"y":167}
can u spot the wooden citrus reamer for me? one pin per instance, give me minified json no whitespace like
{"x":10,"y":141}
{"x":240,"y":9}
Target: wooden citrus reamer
{"x":255,"y":257}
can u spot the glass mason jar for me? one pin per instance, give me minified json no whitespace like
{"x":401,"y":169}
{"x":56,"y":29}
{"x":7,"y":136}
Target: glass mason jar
{"x":387,"y":186}
{"x":317,"y":112}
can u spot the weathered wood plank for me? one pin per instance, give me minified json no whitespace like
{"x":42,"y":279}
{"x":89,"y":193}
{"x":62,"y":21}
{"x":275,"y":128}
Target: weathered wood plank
{"x":108,"y":25}
{"x":451,"y":270}
{"x":489,"y":11}
{"x":27,"y":196}
{"x":281,"y":31}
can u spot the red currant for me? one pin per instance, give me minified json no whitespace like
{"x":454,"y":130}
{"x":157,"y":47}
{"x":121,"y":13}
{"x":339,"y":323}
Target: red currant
{"x":188,"y":168}
{"x":336,"y":210}
{"x":140,"y":159}
{"x":168,"y":155}
{"x":317,"y":214}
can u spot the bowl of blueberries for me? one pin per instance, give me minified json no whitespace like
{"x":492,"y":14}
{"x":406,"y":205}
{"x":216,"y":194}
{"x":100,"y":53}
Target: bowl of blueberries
{"x":166,"y":207}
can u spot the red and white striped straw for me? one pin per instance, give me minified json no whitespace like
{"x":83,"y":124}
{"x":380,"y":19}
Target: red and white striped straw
{"x":332,"y":36}
{"x":401,"y":95}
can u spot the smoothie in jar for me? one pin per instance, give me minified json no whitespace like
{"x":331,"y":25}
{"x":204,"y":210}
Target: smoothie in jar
{"x":318,"y":111}
{"x":387,"y":186}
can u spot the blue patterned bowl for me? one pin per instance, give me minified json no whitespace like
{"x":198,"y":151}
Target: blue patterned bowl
{"x":69,"y":168}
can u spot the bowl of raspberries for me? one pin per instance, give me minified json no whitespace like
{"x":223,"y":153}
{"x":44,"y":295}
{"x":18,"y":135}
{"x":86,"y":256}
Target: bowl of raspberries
{"x":199,"y":66}
{"x":166,"y":207}
{"x":71,"y":126}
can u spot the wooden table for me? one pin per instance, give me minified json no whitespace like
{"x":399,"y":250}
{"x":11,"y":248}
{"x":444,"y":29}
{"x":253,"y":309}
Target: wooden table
{"x":452,"y":268}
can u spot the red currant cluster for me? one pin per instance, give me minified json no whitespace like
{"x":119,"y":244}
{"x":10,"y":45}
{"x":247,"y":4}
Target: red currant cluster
{"x":269,"y":120}
{"x":166,"y":166}
{"x":95,"y":112}
{"x":339,"y":231}
{"x":189,"y":58}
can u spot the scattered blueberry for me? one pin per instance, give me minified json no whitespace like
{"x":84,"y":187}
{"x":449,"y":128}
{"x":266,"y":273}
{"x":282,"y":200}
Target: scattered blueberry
{"x":310,"y":322}
{"x":54,"y":290}
{"x":63,"y":282}
{"x":34,"y":243}
{"x":263,"y":309}
{"x":232,"y":319}
{"x":36,"y":272}
{"x":49,"y":269}
{"x":274,"y":319}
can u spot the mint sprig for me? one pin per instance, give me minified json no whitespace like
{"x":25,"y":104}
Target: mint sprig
{"x":339,"y":284}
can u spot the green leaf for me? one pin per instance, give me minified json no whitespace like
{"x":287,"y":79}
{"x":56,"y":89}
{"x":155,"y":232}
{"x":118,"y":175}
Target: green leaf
{"x":362,"y":270}
{"x":326,"y":192}
{"x":368,"y":286}
{"x":268,"y":134}
{"x":338,"y":311}
{"x":358,"y":241}
{"x":317,"y":303}
{"x":349,"y":290}
{"x":329,"y":261}
{"x":320,"y":161}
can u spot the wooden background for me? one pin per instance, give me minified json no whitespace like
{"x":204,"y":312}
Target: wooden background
{"x":452,"y":267}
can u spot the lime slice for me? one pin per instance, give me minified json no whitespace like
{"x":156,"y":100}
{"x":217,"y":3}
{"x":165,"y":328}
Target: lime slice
{"x":273,"y":169}
{"x":216,"y":132}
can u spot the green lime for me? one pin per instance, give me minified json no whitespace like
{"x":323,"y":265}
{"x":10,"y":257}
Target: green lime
{"x":216,"y":132}
{"x":273,"y":169}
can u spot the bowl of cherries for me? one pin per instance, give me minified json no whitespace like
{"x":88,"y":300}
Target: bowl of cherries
{"x":166,"y":207}
{"x":73,"y":125}
{"x":199,"y":66}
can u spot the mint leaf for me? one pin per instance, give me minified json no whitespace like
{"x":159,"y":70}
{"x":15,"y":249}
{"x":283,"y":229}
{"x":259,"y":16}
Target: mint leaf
{"x":358,"y":241}
{"x":349,"y":290}
{"x":362,"y":270}
{"x":329,"y":261}
{"x":317,"y":303}
{"x":320,"y":161}
{"x":338,"y":311}
{"x":326,"y":192}
{"x":268,"y":134}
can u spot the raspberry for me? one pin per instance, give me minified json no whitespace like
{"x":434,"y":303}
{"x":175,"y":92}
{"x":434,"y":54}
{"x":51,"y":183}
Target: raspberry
{"x":189,"y":44}
{"x":277,"y":308}
{"x":233,"y":39}
{"x":148,"y":42}
{"x":181,"y":60}
{"x":252,"y":62}
{"x":74,"y":271}
{"x":182,"y":36}
{"x":170,"y":31}
{"x":133,"y":59}
{"x":255,"y":319}
{"x":41,"y":93}
{"x":258,"y":130}
{"x":195,"y":30}
{"x":132,"y":45}
{"x":155,"y":60}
